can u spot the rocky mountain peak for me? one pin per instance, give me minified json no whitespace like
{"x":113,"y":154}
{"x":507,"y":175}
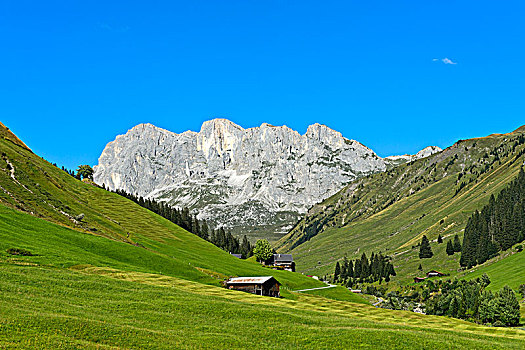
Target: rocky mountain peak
{"x":251,"y":180}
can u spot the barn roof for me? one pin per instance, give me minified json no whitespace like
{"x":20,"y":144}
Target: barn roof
{"x":250,"y":280}
{"x":282,"y":258}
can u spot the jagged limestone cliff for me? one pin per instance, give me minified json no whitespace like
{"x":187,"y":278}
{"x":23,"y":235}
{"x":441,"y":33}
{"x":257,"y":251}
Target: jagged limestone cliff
{"x":257,"y":180}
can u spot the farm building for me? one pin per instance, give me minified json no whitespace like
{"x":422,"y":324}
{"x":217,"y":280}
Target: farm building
{"x":237,"y":255}
{"x":284,"y":261}
{"x":267,"y":285}
{"x":434,"y":273}
{"x":419,"y":279}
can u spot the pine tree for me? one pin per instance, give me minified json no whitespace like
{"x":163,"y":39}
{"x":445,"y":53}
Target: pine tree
{"x":391,"y":270}
{"x":450,"y":247}
{"x":205,"y":230}
{"x":425,"y":251}
{"x":246,"y":249}
{"x":344,"y":266}
{"x":365,"y":269}
{"x":440,"y":239}
{"x":337,"y":271}
{"x":457,"y":244}
{"x":350,"y":269}
{"x":420,"y":268}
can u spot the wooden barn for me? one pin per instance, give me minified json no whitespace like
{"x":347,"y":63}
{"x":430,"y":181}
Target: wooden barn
{"x":267,"y":285}
{"x":434,"y":273}
{"x":284,"y":261}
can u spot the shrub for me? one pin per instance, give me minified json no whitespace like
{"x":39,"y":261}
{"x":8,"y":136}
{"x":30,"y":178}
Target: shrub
{"x":19,"y":251}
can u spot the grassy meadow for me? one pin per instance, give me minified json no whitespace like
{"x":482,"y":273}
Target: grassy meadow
{"x":89,"y":307}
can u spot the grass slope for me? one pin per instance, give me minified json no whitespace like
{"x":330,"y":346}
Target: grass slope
{"x":509,"y":270}
{"x":42,"y":307}
{"x":36,"y":187}
{"x":180,"y":256}
{"x":391,"y":211}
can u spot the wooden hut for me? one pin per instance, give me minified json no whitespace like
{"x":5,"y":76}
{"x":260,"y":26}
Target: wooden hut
{"x":284,"y":261}
{"x":267,"y":285}
{"x":434,"y":273}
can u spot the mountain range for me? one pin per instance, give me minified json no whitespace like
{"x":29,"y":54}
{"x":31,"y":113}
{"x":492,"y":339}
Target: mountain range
{"x":255,"y":181}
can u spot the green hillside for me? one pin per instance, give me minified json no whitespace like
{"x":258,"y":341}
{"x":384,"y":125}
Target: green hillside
{"x":391,"y":211}
{"x":154,"y":243}
{"x":507,"y":269}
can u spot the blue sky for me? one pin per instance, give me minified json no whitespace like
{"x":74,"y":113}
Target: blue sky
{"x":74,"y":74}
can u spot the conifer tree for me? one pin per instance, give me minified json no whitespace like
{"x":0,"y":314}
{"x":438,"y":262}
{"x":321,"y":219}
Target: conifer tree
{"x":350,"y":269}
{"x":457,"y":244}
{"x":365,"y":272}
{"x":205,"y":230}
{"x":391,"y":270}
{"x":337,"y":271}
{"x":424,"y":250}
{"x":440,"y":239}
{"x":450,"y":247}
{"x":246,"y":249}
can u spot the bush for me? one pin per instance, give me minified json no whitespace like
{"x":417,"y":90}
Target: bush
{"x":19,"y":251}
{"x":263,"y":250}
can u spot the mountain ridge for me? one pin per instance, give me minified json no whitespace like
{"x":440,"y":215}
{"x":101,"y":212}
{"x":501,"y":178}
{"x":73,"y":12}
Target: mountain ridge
{"x":237,"y":177}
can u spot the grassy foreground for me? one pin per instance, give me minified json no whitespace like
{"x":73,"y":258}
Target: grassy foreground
{"x":42,"y":307}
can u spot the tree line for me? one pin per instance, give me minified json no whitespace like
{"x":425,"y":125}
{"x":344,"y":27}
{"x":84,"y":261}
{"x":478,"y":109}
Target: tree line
{"x":471,"y":301}
{"x":183,"y":218}
{"x":467,"y":300}
{"x":361,"y":269}
{"x":499,"y":225}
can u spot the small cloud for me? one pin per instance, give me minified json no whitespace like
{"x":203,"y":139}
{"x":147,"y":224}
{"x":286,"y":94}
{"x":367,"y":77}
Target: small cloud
{"x":447,"y":61}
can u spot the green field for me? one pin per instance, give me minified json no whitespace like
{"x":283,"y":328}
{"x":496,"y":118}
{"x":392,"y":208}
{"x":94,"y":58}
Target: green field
{"x":507,"y":271}
{"x":44,"y":307}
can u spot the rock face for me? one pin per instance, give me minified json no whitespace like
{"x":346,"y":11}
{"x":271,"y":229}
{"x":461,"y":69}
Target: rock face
{"x":255,"y":181}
